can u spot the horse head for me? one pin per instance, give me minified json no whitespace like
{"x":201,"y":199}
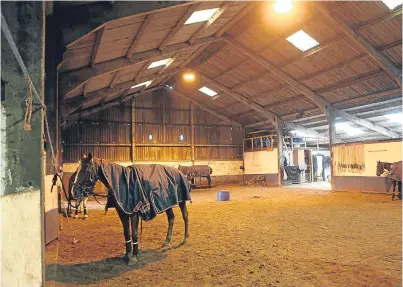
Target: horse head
{"x":379,"y":168}
{"x":86,"y":174}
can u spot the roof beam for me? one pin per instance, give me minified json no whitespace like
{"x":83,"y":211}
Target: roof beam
{"x":95,"y":50}
{"x":74,"y":79}
{"x":72,"y":105}
{"x":321,"y":103}
{"x":204,"y":108}
{"x":273,"y":118}
{"x":235,"y":19}
{"x":374,"y":21}
{"x":209,"y":22}
{"x":365,"y":123}
{"x":77,"y":22}
{"x":141,"y":31}
{"x":378,"y":57}
{"x":107,"y":105}
{"x":178,"y":26}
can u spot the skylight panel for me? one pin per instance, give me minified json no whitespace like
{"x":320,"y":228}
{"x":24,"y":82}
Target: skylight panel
{"x":346,"y":128}
{"x":392,"y":4}
{"x":396,"y":118}
{"x":164,"y":62}
{"x":142,"y":84}
{"x":208,"y":91}
{"x":302,"y":41}
{"x":201,"y":16}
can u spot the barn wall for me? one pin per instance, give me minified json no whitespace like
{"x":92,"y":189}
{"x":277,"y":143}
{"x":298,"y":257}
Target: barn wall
{"x":149,"y":130}
{"x":390,"y":151}
{"x":262,"y":163}
{"x":22,"y":166}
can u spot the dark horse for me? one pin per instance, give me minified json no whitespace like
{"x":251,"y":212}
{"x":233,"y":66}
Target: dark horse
{"x":191,"y":172}
{"x":393,"y":172}
{"x":138,"y":190}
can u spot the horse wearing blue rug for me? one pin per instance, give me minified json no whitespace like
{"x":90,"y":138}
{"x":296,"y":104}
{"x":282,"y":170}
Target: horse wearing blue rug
{"x":138,"y":191}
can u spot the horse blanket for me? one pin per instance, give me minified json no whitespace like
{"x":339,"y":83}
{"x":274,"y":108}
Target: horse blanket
{"x":196,"y":170}
{"x":293,"y":172}
{"x":396,"y":171}
{"x":146,"y":189}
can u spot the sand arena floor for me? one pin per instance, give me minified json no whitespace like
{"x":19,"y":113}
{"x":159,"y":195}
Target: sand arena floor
{"x":262,"y":237}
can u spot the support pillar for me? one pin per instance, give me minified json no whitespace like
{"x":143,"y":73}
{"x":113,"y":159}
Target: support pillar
{"x":332,"y":139}
{"x":279,"y":130}
{"x":192,"y":132}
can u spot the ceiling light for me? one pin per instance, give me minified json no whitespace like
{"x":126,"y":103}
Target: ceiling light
{"x":208,"y":91}
{"x":396,"y":118}
{"x":392,"y":4}
{"x":142,"y":84}
{"x":165,"y":62}
{"x":201,"y":16}
{"x":302,"y":41}
{"x":346,"y":128}
{"x":189,"y":76}
{"x":283,"y":6}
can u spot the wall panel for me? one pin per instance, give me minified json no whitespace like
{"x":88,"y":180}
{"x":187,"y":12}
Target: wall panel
{"x":162,"y":116}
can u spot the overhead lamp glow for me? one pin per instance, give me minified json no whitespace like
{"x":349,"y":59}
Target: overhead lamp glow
{"x":142,"y":84}
{"x":165,"y":62}
{"x":302,"y":41}
{"x":346,"y":128}
{"x":201,"y":16}
{"x":189,"y":76}
{"x":396,"y":118}
{"x":283,"y":6}
{"x":208,"y":91}
{"x":392,"y":4}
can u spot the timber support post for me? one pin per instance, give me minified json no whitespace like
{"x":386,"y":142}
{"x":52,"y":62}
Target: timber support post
{"x":332,"y":139}
{"x":192,"y":132}
{"x":133,"y":132}
{"x":280,"y":136}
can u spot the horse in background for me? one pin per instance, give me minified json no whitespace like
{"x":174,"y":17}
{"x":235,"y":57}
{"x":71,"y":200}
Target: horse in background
{"x":393,"y":173}
{"x":191,"y":172}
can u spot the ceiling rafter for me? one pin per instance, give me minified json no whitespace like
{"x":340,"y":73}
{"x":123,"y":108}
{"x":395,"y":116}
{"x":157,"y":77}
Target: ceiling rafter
{"x":204,"y":108}
{"x":209,"y":22}
{"x":141,"y":31}
{"x":272,"y":118}
{"x":114,"y":102}
{"x":178,"y":26}
{"x":379,"y":19}
{"x":357,"y":38}
{"x":71,"y":80}
{"x":324,"y":105}
{"x":71,"y":105}
{"x":95,"y":50}
{"x":249,"y":7}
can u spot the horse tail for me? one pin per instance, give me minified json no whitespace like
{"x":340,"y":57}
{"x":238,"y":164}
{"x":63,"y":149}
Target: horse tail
{"x":211,"y":170}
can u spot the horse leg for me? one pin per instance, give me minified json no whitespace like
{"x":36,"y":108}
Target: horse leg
{"x":171,"y":218}
{"x":399,"y":188}
{"x":184,"y":211}
{"x":209,"y":181}
{"x":85,"y":206}
{"x":394,"y":188}
{"x":135,"y":226}
{"x":124,"y":218}
{"x":76,"y":212}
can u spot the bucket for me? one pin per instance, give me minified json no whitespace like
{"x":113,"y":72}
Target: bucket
{"x":223,"y":195}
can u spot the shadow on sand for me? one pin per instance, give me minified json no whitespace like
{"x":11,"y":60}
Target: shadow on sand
{"x":94,"y":272}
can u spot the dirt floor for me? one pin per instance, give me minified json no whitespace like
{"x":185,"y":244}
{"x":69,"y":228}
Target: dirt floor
{"x":262,"y":237}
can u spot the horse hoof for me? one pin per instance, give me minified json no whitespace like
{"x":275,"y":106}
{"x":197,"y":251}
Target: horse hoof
{"x":75,"y":216}
{"x":85,"y":216}
{"x":165,"y":244}
{"x":126,"y":258}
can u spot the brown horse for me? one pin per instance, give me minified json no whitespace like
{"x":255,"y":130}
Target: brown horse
{"x":393,"y":172}
{"x":138,"y":190}
{"x":191,"y":172}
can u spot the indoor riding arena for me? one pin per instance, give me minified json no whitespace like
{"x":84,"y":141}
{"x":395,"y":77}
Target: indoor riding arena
{"x":176,"y":143}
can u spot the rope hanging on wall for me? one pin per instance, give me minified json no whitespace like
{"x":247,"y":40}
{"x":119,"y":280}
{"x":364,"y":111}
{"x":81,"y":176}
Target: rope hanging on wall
{"x":28,"y":112}
{"x":349,"y":158}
